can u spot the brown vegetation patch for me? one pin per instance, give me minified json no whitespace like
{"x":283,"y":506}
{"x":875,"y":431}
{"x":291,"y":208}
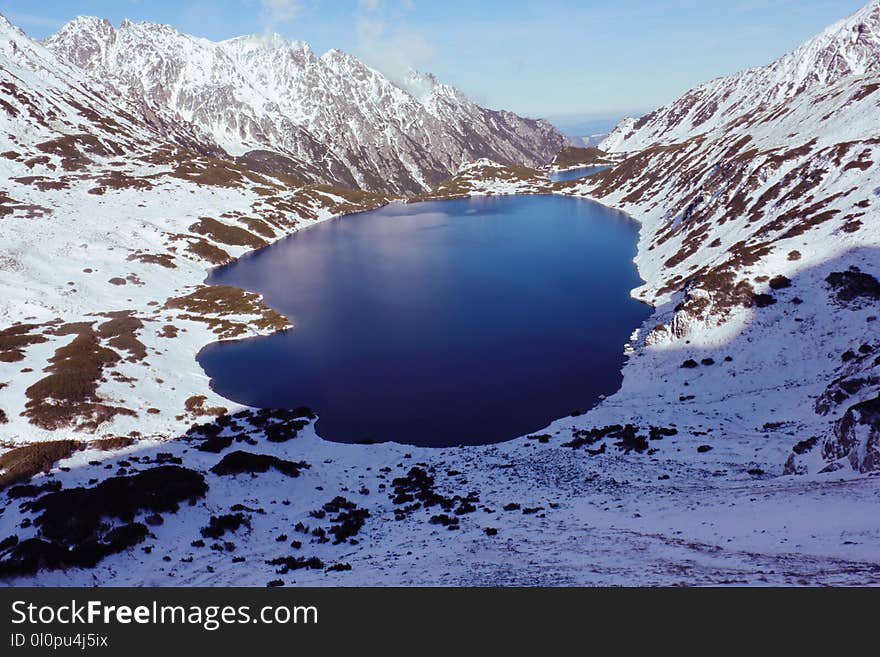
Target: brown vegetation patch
{"x":660,"y":161}
{"x":72,"y":150}
{"x":865,"y":91}
{"x":15,"y":339}
{"x":70,"y":393}
{"x":42,"y":160}
{"x":22,"y":463}
{"x":121,"y":333}
{"x":259,"y":226}
{"x":353,"y":200}
{"x":215,"y":172}
{"x":226,"y":234}
{"x":112,"y":444}
{"x":43,"y":183}
{"x":9,"y":205}
{"x":168,"y":331}
{"x":120,"y":180}
{"x":275,"y":165}
{"x":204,"y":250}
{"x":573,"y":156}
{"x":228,"y":310}
{"x":463,"y":184}
{"x":162,"y":259}
{"x":195,"y":405}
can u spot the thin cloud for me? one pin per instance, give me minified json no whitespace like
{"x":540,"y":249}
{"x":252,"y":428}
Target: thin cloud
{"x":385,"y":41}
{"x":33,"y":20}
{"x":274,"y":13}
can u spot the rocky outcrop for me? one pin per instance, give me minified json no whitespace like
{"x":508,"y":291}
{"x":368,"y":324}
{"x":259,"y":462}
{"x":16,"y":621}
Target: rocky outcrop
{"x":856,"y":437}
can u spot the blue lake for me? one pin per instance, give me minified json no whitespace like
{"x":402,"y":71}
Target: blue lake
{"x":444,"y":323}
{"x":576,"y":174}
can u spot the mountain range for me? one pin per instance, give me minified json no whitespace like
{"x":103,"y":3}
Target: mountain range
{"x":331,"y":117}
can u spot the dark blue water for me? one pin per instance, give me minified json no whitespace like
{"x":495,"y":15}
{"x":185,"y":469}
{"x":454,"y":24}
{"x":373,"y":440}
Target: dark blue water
{"x":575,"y":174}
{"x":446,"y":323}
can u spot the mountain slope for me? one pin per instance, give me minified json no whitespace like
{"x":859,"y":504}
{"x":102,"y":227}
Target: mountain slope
{"x":785,"y":188}
{"x":850,"y":47}
{"x":339,"y":119}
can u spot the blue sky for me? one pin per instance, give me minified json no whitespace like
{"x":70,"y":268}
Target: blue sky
{"x":556,"y":58}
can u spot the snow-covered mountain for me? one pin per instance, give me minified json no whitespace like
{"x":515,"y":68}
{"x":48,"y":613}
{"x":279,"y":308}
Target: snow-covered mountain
{"x":849,"y":48}
{"x":761,"y":178}
{"x":758,"y":249}
{"x":338,"y":119}
{"x":45,"y":98}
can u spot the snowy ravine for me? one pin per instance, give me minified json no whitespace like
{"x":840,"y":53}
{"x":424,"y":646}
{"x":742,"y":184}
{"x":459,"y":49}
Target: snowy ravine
{"x":679,"y":478}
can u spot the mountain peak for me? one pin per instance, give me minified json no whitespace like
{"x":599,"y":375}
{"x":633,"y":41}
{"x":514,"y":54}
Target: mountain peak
{"x":267,"y":41}
{"x":849,"y":47}
{"x":337,"y":55}
{"x":6,"y":24}
{"x":85,"y":22}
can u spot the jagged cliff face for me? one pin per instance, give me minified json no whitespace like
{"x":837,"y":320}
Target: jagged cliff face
{"x":337,"y":119}
{"x":44,"y":98}
{"x":849,"y":48}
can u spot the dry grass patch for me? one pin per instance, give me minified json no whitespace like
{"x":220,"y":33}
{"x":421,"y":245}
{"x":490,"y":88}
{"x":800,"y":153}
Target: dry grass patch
{"x":168,"y":331}
{"x":162,"y":259}
{"x":259,"y":226}
{"x":112,"y":443}
{"x":15,"y":339}
{"x":120,"y":180}
{"x":204,"y":250}
{"x":121,"y":333}
{"x":68,"y":396}
{"x":217,"y":231}
{"x":461,"y":185}
{"x":227,"y":310}
{"x":22,"y":463}
{"x":9,"y":205}
{"x":43,"y":183}
{"x":195,"y":405}
{"x":573,"y":156}
{"x":72,"y":150}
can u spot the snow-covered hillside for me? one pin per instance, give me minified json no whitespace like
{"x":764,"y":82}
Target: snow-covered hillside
{"x":849,"y":48}
{"x":339,"y":120}
{"x":782,"y":183}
